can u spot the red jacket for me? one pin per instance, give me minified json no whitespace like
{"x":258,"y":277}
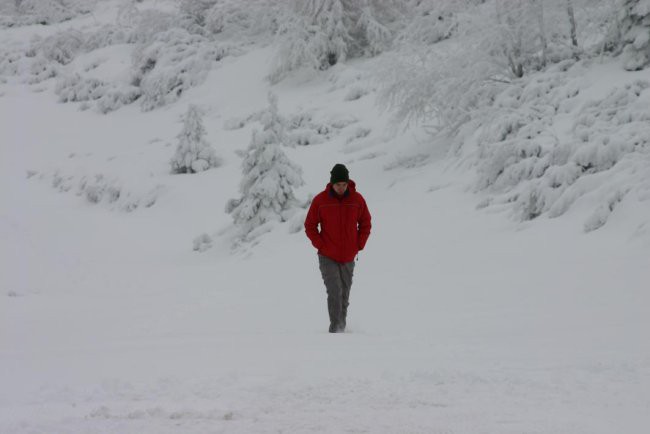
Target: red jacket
{"x":344,"y":223}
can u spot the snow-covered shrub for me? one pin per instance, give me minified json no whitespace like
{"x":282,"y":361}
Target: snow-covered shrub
{"x":526,"y":166}
{"x":174,"y":62}
{"x":44,"y":57}
{"x":599,"y":217}
{"x":13,"y":59}
{"x":303,"y":129}
{"x":61,"y":47}
{"x":103,"y":189}
{"x":42,"y":69}
{"x":104,"y":36}
{"x":117,"y":95}
{"x":269,"y":178}
{"x":75,"y":88}
{"x":107,"y":96}
{"x":193,"y":153}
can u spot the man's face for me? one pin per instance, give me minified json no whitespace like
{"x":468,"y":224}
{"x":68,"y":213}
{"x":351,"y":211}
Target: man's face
{"x":340,"y":188}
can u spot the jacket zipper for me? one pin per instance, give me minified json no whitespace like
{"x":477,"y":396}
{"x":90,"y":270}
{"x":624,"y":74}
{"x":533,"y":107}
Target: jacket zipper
{"x":342,"y":229}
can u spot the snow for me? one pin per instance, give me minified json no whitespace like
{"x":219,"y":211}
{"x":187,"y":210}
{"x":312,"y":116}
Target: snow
{"x":461,"y":320}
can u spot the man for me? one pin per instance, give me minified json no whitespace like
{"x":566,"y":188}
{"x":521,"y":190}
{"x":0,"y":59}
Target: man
{"x":344,"y":222}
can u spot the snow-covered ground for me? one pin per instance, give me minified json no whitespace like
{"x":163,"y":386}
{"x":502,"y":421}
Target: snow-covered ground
{"x":461,"y":320}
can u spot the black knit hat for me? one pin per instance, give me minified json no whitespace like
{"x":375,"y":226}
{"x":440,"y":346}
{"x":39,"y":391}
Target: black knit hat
{"x":339,"y":174}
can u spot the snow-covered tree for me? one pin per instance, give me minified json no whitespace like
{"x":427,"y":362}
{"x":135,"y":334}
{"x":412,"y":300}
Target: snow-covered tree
{"x":488,"y":45}
{"x":520,"y":41}
{"x":193,"y":153}
{"x":527,"y":35}
{"x":269,"y":177}
{"x":635,"y":33}
{"x":320,"y":33}
{"x":330,"y":36}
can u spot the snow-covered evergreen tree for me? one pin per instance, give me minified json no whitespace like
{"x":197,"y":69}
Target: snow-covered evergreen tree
{"x":194,"y":153}
{"x":269,"y":177}
{"x":635,"y":33}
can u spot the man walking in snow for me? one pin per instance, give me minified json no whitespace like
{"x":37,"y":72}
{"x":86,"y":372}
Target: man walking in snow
{"x":345,"y":225}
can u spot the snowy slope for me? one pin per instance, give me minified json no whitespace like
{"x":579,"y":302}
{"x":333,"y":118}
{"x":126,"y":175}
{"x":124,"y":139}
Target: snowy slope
{"x":461,"y":321}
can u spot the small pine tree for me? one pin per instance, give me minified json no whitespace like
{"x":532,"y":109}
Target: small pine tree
{"x":194,"y":153}
{"x":269,"y":177}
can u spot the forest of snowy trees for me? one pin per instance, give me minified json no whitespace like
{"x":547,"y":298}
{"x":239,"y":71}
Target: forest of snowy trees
{"x":434,"y":41}
{"x":486,"y":77}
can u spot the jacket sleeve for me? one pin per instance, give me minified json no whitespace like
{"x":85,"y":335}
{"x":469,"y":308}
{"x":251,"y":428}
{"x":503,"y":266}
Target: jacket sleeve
{"x":365,"y":225}
{"x":311,"y":225}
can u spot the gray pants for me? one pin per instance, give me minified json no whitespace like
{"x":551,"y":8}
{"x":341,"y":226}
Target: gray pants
{"x":338,"y":280}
